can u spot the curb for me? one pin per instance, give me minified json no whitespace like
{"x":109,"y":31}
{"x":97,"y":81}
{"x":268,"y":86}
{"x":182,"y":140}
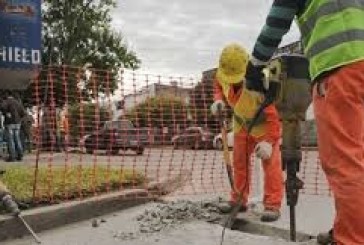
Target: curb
{"x":50,"y":217}
{"x":250,"y":223}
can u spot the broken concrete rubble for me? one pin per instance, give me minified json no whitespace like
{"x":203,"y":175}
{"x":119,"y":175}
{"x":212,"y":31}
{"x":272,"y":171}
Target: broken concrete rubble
{"x":169,"y":215}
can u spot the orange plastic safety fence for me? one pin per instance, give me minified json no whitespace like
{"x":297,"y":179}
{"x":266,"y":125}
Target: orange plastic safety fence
{"x":99,"y":131}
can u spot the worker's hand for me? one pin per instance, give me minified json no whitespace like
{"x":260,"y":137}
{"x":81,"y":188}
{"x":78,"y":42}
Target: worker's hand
{"x":255,"y":78}
{"x":10,"y":205}
{"x":216,"y":106}
{"x":264,"y":150}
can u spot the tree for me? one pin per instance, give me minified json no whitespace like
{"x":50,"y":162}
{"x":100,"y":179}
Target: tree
{"x":78,"y":33}
{"x":201,"y":99}
{"x":160,"y":111}
{"x":86,"y":118}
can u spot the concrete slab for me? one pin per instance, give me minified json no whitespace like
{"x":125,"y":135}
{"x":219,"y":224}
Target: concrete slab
{"x":62,"y":214}
{"x":116,"y":226}
{"x":314,"y":214}
{"x":49,"y":217}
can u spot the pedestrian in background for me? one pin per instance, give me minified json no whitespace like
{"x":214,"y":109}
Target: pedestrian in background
{"x":64,"y":128}
{"x":13,"y":112}
{"x":26,"y":132}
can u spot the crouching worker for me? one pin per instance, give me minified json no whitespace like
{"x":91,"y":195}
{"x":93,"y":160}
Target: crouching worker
{"x":7,"y":201}
{"x":229,"y":89}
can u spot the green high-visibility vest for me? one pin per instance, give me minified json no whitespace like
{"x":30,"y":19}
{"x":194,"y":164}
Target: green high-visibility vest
{"x":332,"y":33}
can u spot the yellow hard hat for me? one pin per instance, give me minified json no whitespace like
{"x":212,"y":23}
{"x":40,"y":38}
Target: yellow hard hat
{"x":232,"y":64}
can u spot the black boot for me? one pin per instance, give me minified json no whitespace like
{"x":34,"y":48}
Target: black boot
{"x":270,"y":215}
{"x":326,"y":238}
{"x":227,"y":207}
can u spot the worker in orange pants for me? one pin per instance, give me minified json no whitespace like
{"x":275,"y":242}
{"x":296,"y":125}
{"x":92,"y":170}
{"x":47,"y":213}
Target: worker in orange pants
{"x":339,"y":110}
{"x":273,"y":180}
{"x":332,"y":37}
{"x":229,"y":89}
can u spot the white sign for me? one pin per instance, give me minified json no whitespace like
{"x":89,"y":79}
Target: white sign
{"x":20,"y":55}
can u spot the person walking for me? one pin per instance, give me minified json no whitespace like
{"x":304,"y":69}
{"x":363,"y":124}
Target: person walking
{"x":26,"y":132}
{"x":13,"y":112}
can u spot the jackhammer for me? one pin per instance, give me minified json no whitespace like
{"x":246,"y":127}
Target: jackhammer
{"x":289,"y":90}
{"x":290,"y":74}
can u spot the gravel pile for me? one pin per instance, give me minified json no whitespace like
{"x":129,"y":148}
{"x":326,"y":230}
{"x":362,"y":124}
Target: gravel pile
{"x":169,"y":215}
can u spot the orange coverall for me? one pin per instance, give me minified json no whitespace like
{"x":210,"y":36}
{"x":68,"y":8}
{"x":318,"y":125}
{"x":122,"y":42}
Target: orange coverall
{"x":340,"y":125}
{"x":273,"y":176}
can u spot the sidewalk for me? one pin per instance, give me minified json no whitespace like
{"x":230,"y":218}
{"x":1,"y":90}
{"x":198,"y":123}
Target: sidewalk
{"x":314,"y":214}
{"x":112,"y":232}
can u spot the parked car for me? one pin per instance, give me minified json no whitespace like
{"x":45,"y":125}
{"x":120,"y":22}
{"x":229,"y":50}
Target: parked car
{"x":193,"y":138}
{"x":218,"y":141}
{"x":115,"y":136}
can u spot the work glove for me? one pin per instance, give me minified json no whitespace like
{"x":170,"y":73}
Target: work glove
{"x":255,"y":78}
{"x":10,"y":205}
{"x":216,"y":106}
{"x":263,"y":150}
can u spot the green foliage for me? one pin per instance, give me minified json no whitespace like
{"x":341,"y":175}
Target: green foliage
{"x":72,"y":181}
{"x":79,"y":34}
{"x":203,"y":117}
{"x":86,"y":118}
{"x":201,"y":101}
{"x":159,"y":111}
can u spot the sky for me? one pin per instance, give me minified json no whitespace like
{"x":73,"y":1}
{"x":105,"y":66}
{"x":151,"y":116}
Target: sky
{"x":185,"y":37}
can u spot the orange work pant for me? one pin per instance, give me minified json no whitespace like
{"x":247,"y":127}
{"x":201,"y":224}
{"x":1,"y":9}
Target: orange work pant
{"x":273,"y":176}
{"x":340,"y":127}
